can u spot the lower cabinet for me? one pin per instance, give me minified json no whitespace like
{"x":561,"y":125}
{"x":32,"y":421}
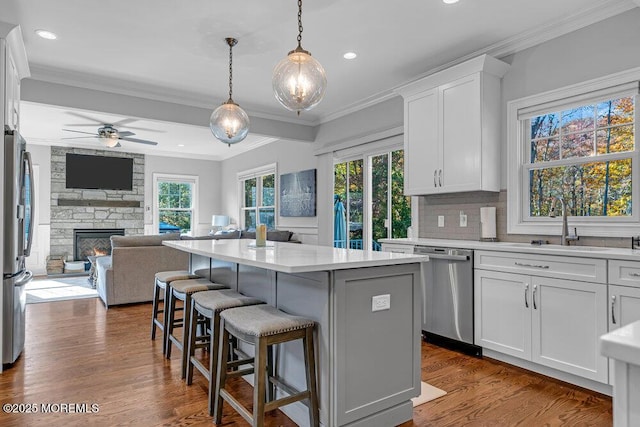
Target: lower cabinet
{"x":624,"y":308}
{"x":552,"y":322}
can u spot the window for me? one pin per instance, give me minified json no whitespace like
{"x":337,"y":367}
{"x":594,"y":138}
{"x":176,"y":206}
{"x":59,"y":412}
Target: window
{"x":258,"y":195}
{"x":370,"y":206}
{"x":578,"y":145}
{"x":175,"y":203}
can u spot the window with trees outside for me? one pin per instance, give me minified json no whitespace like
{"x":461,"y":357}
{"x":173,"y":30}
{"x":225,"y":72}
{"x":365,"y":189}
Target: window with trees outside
{"x":369,"y":203}
{"x":175,"y":201}
{"x":580,"y":149}
{"x":258,"y":195}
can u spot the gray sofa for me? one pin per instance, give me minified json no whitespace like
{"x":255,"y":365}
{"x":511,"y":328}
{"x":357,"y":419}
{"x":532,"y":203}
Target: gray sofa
{"x":127,"y":275}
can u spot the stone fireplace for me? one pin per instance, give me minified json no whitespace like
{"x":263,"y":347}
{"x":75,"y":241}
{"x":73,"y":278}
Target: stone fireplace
{"x":93,"y":242}
{"x":74,"y":209}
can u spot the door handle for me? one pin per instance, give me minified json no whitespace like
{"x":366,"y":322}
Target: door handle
{"x":613,"y":306}
{"x":535,"y":289}
{"x":440,"y":177}
{"x":526,"y":291}
{"x":435,"y":174}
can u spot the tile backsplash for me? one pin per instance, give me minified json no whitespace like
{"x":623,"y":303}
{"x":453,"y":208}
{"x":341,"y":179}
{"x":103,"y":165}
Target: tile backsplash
{"x":450,"y":205}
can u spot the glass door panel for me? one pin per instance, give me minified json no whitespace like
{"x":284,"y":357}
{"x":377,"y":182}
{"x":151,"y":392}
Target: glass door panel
{"x":379,"y":199}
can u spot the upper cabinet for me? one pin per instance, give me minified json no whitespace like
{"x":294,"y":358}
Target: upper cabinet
{"x":13,"y":68}
{"x":452,"y":129}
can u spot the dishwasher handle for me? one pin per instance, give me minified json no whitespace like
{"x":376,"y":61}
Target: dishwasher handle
{"x":445,"y":257}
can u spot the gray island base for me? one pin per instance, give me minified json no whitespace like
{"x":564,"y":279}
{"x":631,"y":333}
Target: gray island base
{"x":368,"y":354}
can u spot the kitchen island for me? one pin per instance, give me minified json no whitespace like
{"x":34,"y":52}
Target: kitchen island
{"x":367,"y":308}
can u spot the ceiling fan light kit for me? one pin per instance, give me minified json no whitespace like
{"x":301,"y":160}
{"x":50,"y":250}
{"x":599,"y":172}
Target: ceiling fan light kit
{"x":299,"y":80}
{"x":229,"y":123}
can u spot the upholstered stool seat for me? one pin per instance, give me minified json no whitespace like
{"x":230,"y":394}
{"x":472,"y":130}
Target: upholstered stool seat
{"x":160,"y":293}
{"x":182,"y":290}
{"x":208,"y":305}
{"x":264,"y":326}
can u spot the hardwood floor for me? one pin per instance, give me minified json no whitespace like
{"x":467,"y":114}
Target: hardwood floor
{"x":78,"y":352}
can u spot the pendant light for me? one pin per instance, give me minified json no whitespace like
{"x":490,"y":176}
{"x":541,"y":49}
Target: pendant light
{"x":299,"y":81}
{"x":229,"y":123}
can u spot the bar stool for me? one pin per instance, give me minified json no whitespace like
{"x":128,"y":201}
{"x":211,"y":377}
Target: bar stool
{"x":264,"y":326}
{"x":182,"y":290}
{"x":208,"y":305}
{"x":162,"y":279}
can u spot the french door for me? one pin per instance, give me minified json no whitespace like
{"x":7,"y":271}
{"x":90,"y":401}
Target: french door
{"x":369,"y":203}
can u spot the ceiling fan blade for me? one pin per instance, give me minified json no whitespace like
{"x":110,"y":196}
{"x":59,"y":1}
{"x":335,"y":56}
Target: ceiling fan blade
{"x":80,"y":124}
{"x":83,"y":116}
{"x":79,"y":131}
{"x":125,"y":133}
{"x":81,"y":137}
{"x":140,"y":141}
{"x":123,"y":122}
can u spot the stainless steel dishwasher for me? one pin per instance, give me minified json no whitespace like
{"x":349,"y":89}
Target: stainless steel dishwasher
{"x":447,"y":317}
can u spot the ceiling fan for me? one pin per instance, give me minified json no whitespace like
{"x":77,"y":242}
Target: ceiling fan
{"x":111,"y":136}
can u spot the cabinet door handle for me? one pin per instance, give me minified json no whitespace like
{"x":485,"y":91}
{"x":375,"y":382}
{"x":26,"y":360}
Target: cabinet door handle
{"x":435,"y":174}
{"x":526,"y":291}
{"x":613,"y":313}
{"x":535,"y":288}
{"x":522,"y":264}
{"x":440,"y":177}
{"x":634,"y":274}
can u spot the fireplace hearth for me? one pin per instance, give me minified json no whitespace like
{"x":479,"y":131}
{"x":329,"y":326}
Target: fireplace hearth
{"x":93,"y":242}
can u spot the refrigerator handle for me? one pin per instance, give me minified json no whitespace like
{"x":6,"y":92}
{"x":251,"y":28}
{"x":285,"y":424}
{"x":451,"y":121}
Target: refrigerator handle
{"x":26,"y":277}
{"x":27,"y":157}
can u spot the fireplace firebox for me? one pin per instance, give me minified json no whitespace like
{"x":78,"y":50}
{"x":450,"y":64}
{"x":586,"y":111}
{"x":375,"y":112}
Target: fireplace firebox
{"x":93,"y":242}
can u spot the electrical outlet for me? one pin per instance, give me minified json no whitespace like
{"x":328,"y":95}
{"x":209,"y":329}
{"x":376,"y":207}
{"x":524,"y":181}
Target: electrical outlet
{"x":463,"y":219}
{"x":440,"y":220}
{"x":381,"y":302}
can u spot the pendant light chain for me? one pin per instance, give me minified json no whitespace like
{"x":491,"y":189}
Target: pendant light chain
{"x":230,"y":71}
{"x":299,"y":23}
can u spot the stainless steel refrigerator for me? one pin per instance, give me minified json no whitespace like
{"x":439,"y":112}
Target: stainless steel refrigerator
{"x":18,"y":235}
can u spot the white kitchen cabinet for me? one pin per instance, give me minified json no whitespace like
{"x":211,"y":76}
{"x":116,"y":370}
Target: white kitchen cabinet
{"x":623,"y":309}
{"x":452,"y":129}
{"x":502,"y":314}
{"x":554,"y":322}
{"x":13,"y":68}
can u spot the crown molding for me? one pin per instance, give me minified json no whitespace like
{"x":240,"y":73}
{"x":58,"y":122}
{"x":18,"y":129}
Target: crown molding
{"x":599,"y":12}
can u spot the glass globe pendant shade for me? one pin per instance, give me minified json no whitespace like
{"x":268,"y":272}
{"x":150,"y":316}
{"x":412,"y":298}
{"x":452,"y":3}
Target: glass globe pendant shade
{"x":229,"y":123}
{"x":299,"y":81}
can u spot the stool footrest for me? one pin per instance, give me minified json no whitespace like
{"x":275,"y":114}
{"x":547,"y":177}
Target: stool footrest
{"x":237,"y":406}
{"x":240,"y":373}
{"x":286,"y":388}
{"x":275,"y":404}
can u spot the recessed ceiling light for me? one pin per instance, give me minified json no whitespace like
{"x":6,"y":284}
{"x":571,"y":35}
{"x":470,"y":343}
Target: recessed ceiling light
{"x":46,"y":34}
{"x":180,"y":145}
{"x":450,"y":1}
{"x":350,"y":55}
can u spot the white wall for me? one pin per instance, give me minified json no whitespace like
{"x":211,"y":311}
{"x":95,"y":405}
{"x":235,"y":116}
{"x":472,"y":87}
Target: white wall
{"x":208,"y":172}
{"x":290,"y":156}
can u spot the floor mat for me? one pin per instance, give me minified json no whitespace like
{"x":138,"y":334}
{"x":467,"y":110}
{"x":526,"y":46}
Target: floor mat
{"x":59,"y":289}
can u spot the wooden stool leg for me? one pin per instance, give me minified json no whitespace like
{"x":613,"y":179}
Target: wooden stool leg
{"x":154,"y":311}
{"x":221,"y":377}
{"x":169,"y":328}
{"x":310,"y":365}
{"x":259,"y":382}
{"x":165,"y":316}
{"x":190,"y":347}
{"x":216,"y":342}
{"x":186,"y":322}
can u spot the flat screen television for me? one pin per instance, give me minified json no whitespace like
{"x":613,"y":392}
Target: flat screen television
{"x":99,"y":172}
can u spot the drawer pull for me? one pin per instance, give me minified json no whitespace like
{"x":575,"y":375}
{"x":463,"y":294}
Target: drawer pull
{"x":535,"y":289}
{"x":526,"y":291}
{"x":613,"y":306}
{"x":522,"y":264}
{"x":634,"y":274}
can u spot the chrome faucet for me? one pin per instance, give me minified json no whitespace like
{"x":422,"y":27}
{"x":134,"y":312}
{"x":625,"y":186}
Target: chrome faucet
{"x":565,"y":238}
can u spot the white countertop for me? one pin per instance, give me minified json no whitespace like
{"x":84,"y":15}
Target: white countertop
{"x":577,"y":251}
{"x":623,"y":344}
{"x":291,"y":257}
